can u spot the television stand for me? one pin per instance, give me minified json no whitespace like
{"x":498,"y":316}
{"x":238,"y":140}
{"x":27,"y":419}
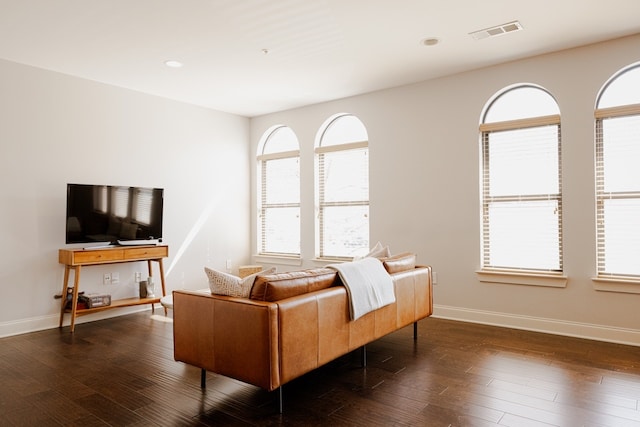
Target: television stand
{"x":75,"y":259}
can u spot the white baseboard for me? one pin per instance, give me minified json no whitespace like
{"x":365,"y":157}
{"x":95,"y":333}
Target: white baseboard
{"x":23,"y":326}
{"x":34,"y":324}
{"x":539,"y":324}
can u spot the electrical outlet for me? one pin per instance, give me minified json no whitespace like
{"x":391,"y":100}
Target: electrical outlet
{"x":106,"y":279}
{"x":228,"y":264}
{"x":137,"y":276}
{"x":434,"y":276}
{"x":115,"y":278}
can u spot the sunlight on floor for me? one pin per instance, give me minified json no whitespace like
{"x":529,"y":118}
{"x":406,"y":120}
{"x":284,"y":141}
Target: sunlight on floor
{"x":162,"y":318}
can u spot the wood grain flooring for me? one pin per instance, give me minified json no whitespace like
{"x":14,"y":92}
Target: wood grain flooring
{"x":121,"y":372}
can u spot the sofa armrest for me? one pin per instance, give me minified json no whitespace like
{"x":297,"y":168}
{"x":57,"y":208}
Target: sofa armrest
{"x":414,"y":291}
{"x":234,"y":337}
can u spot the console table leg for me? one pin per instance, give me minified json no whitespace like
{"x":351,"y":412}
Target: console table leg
{"x":160,"y":264}
{"x":280,"y":399}
{"x":203,"y":378}
{"x":150,"y":270}
{"x":63,"y":303}
{"x":74,"y":300}
{"x":162,"y":282}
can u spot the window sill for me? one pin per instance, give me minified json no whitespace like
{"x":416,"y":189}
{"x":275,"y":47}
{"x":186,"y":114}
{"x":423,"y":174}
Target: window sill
{"x":628,"y":285}
{"x":278,"y":259}
{"x":327,"y":261}
{"x":523,"y":278}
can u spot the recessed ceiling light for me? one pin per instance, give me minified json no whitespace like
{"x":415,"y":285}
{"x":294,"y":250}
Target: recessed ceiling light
{"x":173,"y":64}
{"x":431,"y":41}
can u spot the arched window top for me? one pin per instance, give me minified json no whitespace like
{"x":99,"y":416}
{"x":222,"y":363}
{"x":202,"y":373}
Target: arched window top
{"x":280,"y":139}
{"x":343,"y":129}
{"x":521,"y":102}
{"x":621,"y":89}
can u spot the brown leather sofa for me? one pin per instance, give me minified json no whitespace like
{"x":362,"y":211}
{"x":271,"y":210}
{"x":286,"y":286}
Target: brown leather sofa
{"x":291,"y":324}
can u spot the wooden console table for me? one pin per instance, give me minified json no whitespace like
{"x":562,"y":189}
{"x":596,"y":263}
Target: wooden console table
{"x":75,"y":259}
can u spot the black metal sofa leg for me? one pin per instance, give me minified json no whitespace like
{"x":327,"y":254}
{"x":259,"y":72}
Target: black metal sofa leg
{"x":364,"y":356}
{"x":203,"y":385}
{"x":415,"y":330}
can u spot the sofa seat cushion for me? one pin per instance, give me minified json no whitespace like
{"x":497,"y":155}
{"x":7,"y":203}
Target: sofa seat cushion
{"x":275,"y":287}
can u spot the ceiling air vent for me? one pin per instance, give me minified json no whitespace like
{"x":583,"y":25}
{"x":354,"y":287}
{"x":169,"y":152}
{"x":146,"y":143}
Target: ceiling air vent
{"x":497,"y":30}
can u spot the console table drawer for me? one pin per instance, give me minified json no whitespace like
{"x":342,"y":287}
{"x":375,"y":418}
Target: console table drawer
{"x":74,"y":257}
{"x":146,"y":252}
{"x":94,"y":256}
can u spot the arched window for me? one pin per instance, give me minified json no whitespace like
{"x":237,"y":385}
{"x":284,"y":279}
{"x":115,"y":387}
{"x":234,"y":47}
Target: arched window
{"x":617,"y":138}
{"x":342,"y":196}
{"x":279,"y":196}
{"x":521,"y":182}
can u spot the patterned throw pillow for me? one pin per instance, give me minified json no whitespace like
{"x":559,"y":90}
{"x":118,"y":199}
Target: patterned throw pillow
{"x":222,"y":283}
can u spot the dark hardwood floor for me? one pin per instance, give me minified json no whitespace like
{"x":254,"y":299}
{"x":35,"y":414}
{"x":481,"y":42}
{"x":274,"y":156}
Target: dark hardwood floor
{"x":121,"y":372}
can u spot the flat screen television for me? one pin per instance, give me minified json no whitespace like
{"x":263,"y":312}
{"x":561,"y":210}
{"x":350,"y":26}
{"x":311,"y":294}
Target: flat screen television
{"x":113,"y":214}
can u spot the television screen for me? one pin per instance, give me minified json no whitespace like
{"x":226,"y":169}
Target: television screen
{"x":105,"y":213}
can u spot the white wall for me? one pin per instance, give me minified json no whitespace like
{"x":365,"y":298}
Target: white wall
{"x":424,"y":183}
{"x":56,"y":129}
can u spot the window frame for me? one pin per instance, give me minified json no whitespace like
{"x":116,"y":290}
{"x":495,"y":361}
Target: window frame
{"x":321,"y":151}
{"x":517,"y":275}
{"x":264,"y":206}
{"x":626,"y":104}
{"x":601,"y":195}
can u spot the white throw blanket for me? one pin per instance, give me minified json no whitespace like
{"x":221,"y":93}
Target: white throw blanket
{"x":368,"y":284}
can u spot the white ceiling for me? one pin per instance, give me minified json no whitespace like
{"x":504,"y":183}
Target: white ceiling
{"x":319,"y":50}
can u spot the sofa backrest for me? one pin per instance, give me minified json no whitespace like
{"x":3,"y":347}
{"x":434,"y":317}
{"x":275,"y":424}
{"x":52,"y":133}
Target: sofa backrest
{"x":278,"y":286}
{"x":274,"y":287}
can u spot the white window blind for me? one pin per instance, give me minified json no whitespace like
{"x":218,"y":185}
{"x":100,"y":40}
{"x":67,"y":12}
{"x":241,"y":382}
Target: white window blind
{"x":279,"y":202}
{"x":521,"y":193}
{"x":343,"y":189}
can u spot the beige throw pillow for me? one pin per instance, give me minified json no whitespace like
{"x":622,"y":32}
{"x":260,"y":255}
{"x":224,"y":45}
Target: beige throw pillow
{"x":377,"y":251}
{"x":221,"y":283}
